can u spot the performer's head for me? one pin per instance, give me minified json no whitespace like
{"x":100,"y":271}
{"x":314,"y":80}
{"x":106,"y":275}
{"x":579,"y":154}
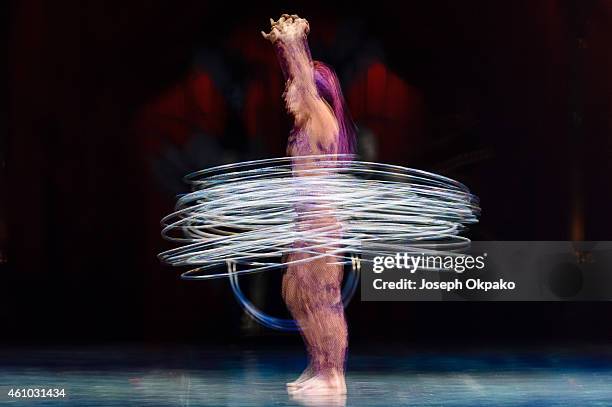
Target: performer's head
{"x":329,"y":89}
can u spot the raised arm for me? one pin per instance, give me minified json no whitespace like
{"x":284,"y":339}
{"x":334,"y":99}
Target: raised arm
{"x":312,"y":115}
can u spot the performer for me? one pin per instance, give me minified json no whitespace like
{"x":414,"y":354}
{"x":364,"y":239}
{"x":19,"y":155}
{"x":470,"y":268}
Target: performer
{"x":312,"y":287}
{"x":316,"y":208}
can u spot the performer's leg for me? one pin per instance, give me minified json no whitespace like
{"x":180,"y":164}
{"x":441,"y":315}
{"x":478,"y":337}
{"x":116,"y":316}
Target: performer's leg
{"x":292,"y":292}
{"x":312,"y":293}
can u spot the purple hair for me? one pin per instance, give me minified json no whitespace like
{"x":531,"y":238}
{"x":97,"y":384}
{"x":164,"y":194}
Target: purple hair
{"x":329,"y":89}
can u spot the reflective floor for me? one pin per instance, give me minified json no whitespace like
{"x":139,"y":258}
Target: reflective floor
{"x":190,"y":377}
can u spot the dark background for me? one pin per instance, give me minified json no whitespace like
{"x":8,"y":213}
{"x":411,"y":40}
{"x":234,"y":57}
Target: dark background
{"x":110,"y":103}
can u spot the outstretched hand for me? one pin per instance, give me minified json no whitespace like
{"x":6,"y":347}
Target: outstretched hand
{"x":288,"y":27}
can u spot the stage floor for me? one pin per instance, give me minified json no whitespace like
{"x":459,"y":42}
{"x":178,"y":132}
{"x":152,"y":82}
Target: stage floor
{"x":120,"y":376}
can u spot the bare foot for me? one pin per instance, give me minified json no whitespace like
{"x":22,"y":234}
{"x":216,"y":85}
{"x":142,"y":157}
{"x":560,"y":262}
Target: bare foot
{"x":321,"y":385}
{"x":330,"y":400}
{"x":307,"y":374}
